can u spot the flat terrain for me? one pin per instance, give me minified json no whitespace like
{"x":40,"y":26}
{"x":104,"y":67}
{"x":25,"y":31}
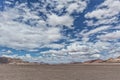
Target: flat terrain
{"x":60,"y":72}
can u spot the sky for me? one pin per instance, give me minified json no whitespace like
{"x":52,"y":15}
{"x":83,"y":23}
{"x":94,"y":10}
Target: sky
{"x":59,"y":31}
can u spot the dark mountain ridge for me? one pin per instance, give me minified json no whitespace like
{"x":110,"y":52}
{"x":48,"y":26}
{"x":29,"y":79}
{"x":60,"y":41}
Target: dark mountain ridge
{"x":6,"y":60}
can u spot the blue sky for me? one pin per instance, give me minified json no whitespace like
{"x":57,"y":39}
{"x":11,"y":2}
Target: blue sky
{"x":59,"y":31}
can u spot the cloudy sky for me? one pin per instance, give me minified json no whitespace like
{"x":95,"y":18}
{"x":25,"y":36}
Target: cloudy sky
{"x":59,"y":31}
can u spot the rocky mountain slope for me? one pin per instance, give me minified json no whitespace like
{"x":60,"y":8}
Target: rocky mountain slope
{"x":110,"y":60}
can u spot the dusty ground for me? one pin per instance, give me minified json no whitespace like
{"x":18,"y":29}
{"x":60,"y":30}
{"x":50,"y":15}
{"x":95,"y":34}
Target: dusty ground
{"x":60,"y":72}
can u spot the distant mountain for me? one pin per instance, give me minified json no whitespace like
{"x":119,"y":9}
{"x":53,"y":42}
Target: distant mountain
{"x":94,"y":61}
{"x":111,"y":60}
{"x":5,"y":60}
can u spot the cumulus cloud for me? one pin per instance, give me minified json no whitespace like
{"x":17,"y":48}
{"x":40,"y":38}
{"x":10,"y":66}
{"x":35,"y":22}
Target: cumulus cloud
{"x":27,"y":37}
{"x":110,"y":36}
{"x":41,"y":26}
{"x":77,"y":7}
{"x":28,"y":30}
{"x":55,"y":20}
{"x":94,"y":31}
{"x":20,"y":36}
{"x":7,"y":52}
{"x":105,"y":13}
{"x":77,"y":50}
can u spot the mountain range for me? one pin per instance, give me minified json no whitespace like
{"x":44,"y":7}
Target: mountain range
{"x":6,"y":60}
{"x":110,"y":60}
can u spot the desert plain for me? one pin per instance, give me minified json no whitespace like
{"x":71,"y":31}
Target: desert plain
{"x":101,"y":71}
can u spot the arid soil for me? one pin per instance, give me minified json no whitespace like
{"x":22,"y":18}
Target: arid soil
{"x":60,"y":72}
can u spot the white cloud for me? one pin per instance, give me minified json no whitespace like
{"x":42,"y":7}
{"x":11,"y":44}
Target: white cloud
{"x":54,"y":46}
{"x":77,"y":7}
{"x":96,"y":55}
{"x":28,"y":56}
{"x":110,"y":36}
{"x":55,"y":20}
{"x":4,"y":51}
{"x":20,"y":36}
{"x":106,"y":13}
{"x":16,"y":34}
{"x":96,"y":30}
{"x":80,"y":52}
{"x":77,"y":49}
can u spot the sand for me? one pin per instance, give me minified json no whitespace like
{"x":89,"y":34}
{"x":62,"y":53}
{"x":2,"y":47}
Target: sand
{"x":60,"y":72}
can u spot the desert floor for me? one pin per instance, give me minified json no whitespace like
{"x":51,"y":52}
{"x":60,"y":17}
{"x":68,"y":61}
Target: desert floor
{"x":60,"y":72}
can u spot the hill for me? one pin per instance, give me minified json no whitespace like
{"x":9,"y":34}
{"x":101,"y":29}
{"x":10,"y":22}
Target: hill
{"x":6,"y":60}
{"x":110,"y":60}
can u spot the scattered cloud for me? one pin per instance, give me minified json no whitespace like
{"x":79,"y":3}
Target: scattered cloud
{"x":55,"y":20}
{"x":20,"y":36}
{"x":110,"y":36}
{"x":41,"y":26}
{"x":105,"y":13}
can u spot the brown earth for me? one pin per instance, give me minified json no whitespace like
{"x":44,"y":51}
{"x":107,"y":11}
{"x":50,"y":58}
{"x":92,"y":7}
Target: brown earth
{"x":16,"y":69}
{"x":101,"y":71}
